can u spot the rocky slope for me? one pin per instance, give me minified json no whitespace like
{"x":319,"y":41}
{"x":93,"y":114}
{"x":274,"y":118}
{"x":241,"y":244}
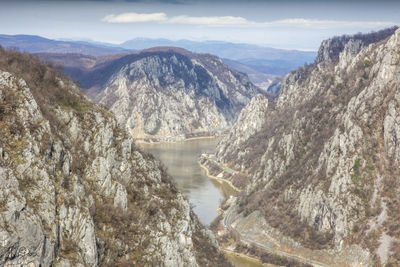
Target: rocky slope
{"x":165,"y":93}
{"x":170,"y":94}
{"x":75,"y":190}
{"x":322,"y":159}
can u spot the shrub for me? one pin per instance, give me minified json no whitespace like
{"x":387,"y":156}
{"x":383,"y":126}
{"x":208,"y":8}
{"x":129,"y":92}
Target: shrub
{"x":356,"y":164}
{"x":367,"y":63}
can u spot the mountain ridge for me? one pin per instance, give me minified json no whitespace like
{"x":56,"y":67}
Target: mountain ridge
{"x":265,"y":60}
{"x":198,"y":88}
{"x":319,"y":174}
{"x":75,"y":189}
{"x":37,"y":44}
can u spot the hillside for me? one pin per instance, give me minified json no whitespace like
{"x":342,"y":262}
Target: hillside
{"x":165,"y":93}
{"x":319,"y":165}
{"x":74,"y":188}
{"x":260,"y":79}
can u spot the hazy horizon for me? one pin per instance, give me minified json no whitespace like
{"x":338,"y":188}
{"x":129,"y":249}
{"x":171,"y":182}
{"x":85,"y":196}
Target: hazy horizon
{"x":298,"y":25}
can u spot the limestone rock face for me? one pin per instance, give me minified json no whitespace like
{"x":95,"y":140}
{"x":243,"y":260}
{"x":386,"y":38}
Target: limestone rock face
{"x":75,"y":190}
{"x":324,"y":164}
{"x":331,"y":49}
{"x":250,"y":121}
{"x":170,"y":94}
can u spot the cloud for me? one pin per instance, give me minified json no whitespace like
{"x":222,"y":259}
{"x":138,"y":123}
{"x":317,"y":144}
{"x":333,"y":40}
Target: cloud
{"x":227,"y":21}
{"x":163,"y":18}
{"x":135,"y":17}
{"x":222,"y":20}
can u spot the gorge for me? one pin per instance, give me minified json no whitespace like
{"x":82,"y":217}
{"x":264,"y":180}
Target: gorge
{"x":309,"y":176}
{"x":319,"y":161}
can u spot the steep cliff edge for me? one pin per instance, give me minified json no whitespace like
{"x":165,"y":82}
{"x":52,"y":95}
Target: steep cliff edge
{"x":170,"y":94}
{"x":323,"y":168}
{"x":164,"y":93}
{"x":75,"y":190}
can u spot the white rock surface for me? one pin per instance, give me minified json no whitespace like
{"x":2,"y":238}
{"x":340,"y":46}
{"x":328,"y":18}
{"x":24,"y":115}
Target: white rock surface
{"x":171,"y":94}
{"x":326,"y":148}
{"x":75,"y":191}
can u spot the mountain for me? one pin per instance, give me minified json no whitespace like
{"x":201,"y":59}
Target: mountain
{"x":74,"y":188}
{"x":262,"y":80}
{"x":165,"y":93}
{"x":37,"y":44}
{"x":265,"y":60}
{"x":275,"y":66}
{"x":319,"y":165}
{"x":260,"y":63}
{"x":235,"y":51}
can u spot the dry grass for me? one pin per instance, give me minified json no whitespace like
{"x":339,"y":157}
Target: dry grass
{"x":316,"y":120}
{"x":266,"y":257}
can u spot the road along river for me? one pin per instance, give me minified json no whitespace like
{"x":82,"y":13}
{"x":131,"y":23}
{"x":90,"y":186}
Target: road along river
{"x":205,"y":194}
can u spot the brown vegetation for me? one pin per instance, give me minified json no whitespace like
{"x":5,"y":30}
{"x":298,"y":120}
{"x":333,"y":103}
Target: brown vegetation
{"x":315,"y":120}
{"x":266,"y":257}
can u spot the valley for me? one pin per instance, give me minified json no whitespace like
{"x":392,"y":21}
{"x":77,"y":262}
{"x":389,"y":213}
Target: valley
{"x":204,"y":193}
{"x":181,"y":160}
{"x":170,"y":133}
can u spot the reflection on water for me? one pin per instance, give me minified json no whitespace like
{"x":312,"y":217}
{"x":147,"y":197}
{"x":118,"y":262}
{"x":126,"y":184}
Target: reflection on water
{"x":181,"y":159}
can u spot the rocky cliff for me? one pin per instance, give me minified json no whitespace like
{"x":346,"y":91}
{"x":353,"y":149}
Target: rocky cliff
{"x":163,"y":93}
{"x":74,"y":188}
{"x":170,"y":94}
{"x":322,"y":159}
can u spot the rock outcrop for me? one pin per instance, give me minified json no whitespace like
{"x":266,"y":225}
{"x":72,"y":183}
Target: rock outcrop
{"x":323,"y":159}
{"x":74,"y":188}
{"x":250,"y":121}
{"x":171,"y":94}
{"x":164,"y":93}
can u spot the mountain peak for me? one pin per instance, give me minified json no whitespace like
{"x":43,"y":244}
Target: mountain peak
{"x":168,"y":49}
{"x":331,"y":48}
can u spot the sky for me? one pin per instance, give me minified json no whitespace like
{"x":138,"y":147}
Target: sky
{"x":288,"y":24}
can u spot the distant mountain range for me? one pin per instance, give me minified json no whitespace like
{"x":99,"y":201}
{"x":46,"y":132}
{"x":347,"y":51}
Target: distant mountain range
{"x":262,"y":64}
{"x":263,"y":59}
{"x":37,"y":44}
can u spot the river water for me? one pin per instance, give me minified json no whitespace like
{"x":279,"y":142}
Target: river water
{"x":204,"y":194}
{"x":181,"y":160}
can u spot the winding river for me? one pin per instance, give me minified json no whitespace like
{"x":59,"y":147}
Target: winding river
{"x":181,"y":158}
{"x":204,"y":193}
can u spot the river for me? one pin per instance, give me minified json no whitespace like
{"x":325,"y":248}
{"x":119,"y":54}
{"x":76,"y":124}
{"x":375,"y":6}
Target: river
{"x":181,"y":158}
{"x":204,"y":194}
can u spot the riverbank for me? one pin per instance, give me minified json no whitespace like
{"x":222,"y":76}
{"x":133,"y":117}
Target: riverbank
{"x":181,"y":161}
{"x":237,"y":258}
{"x":244,"y":260}
{"x":243,"y":244}
{"x":218,"y":179}
{"x":172,"y":141}
{"x":245,"y":234}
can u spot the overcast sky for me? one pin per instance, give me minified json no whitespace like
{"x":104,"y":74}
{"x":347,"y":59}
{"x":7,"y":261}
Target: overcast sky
{"x":282,"y":24}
